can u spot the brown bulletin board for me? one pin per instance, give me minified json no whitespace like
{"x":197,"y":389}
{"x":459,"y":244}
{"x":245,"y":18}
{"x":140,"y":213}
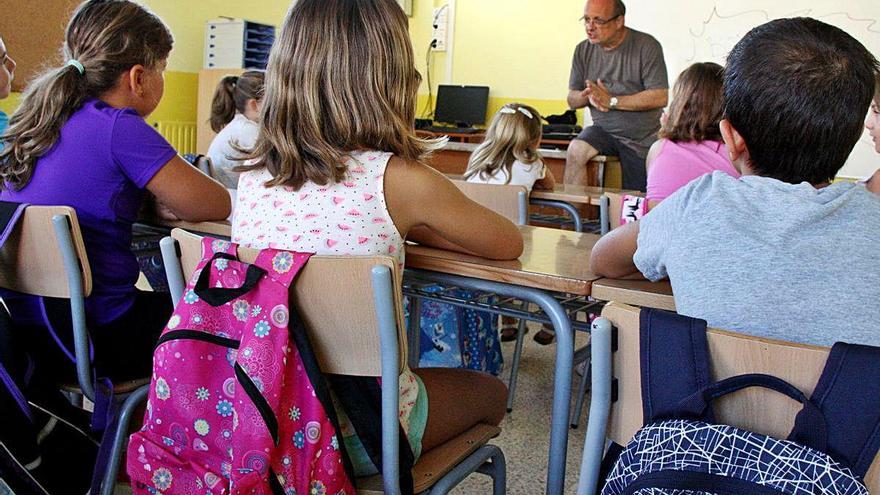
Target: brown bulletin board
{"x":33,"y":31}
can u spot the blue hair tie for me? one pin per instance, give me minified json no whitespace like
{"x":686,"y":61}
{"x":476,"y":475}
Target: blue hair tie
{"x":78,"y":65}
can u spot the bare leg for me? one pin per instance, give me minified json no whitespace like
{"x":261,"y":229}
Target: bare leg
{"x":459,"y":399}
{"x":579,"y":155}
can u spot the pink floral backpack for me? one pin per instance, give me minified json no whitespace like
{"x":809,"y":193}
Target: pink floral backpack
{"x":237,"y":402}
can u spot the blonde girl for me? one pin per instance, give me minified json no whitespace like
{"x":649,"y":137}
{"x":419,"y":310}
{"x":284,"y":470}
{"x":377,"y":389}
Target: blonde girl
{"x":509,"y":154}
{"x":79,"y":139}
{"x":338,"y":169}
{"x":235,"y":110}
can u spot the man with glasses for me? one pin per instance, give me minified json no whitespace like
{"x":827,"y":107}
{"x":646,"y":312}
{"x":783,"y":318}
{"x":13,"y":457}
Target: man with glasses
{"x":621,"y":75}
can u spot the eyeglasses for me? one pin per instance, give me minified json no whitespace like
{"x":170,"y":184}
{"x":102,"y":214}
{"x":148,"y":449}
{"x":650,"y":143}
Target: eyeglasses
{"x":596,"y":20}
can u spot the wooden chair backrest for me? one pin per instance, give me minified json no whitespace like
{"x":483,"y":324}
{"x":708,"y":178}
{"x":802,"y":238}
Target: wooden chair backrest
{"x":731,"y":354}
{"x":334,"y":297}
{"x":30,"y":259}
{"x":502,"y":199}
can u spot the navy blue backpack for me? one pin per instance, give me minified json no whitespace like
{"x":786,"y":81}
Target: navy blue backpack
{"x":682,"y":450}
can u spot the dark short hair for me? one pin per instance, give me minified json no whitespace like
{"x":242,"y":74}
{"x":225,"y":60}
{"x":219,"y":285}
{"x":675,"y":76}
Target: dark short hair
{"x":796,"y":90}
{"x":619,"y":8}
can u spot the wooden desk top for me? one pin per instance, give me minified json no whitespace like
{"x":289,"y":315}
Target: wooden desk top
{"x":552,"y":259}
{"x":555,"y":260}
{"x":635,"y":293}
{"x":571,"y":193}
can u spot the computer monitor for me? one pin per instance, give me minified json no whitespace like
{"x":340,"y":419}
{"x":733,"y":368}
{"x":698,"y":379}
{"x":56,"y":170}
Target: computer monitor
{"x":462,"y":105}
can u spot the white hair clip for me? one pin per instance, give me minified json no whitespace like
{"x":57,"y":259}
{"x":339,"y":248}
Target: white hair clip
{"x":520,"y":110}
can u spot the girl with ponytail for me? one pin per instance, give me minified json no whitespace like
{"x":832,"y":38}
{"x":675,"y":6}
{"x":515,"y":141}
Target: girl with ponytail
{"x":79,"y":139}
{"x":7,"y":72}
{"x":235,"y":112}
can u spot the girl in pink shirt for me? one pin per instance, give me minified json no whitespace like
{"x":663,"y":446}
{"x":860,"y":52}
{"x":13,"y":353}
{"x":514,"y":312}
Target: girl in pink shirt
{"x":690,"y":140}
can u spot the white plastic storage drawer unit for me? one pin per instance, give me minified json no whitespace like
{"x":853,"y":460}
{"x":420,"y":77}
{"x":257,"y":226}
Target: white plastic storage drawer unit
{"x":237,"y":44}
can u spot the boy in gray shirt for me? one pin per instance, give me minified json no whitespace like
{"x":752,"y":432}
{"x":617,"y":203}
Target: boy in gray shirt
{"x":779,"y":253}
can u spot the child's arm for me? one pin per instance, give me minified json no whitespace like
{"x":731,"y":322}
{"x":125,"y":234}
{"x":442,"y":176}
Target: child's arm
{"x":188,"y":193}
{"x":873,"y":184}
{"x":612,"y":256}
{"x":548,"y":182}
{"x":427,"y":207}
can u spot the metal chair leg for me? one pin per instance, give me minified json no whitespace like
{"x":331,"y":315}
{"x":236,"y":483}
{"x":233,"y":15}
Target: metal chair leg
{"x":120,"y":440}
{"x":514,"y":368}
{"x":579,"y":401}
{"x":496,"y":469}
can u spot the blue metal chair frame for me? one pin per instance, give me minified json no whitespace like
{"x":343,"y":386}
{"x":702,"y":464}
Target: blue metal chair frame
{"x":558,"y":317}
{"x":600,"y":407}
{"x":565,"y":206}
{"x":488,"y":459}
{"x":85,"y":376}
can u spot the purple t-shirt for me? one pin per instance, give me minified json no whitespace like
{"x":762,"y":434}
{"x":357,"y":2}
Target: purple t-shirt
{"x":100,"y":165}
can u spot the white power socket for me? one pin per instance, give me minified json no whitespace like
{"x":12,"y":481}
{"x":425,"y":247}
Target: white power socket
{"x":440,"y":28}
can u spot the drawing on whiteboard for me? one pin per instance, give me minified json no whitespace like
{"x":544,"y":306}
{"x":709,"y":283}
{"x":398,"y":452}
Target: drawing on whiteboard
{"x":720,"y":31}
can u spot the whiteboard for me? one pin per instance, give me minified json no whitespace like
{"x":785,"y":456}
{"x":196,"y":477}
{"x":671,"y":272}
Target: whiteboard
{"x":701,"y":31}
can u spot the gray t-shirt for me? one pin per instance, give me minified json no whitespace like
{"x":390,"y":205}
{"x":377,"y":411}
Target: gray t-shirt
{"x":634,"y":66}
{"x":768,"y":258}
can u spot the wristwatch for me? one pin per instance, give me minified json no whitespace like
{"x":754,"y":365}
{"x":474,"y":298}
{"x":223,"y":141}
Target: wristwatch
{"x":613,"y":102}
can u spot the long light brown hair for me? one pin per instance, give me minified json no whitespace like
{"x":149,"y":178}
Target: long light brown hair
{"x":108,"y":37}
{"x":513,"y":135}
{"x":340,"y":78}
{"x":697,"y":105}
{"x":232,"y":95}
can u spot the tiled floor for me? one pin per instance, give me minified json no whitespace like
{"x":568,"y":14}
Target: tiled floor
{"x":525,"y":438}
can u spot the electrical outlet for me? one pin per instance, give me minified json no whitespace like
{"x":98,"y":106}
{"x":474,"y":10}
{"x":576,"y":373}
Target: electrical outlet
{"x":440,"y":28}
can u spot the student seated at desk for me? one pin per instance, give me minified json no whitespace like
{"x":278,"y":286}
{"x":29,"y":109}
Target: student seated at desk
{"x":234,"y":113}
{"x":337,"y":169}
{"x":509,"y":155}
{"x":79,"y":139}
{"x":781,"y":252}
{"x":690,"y":140}
{"x":873,"y":125}
{"x":7,"y":73}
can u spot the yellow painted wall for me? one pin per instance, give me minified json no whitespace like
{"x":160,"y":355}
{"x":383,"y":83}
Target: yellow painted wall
{"x":9,"y":104}
{"x":521,"y":49}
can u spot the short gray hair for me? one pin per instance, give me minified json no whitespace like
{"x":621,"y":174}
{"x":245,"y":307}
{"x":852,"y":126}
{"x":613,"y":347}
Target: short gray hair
{"x":619,"y":8}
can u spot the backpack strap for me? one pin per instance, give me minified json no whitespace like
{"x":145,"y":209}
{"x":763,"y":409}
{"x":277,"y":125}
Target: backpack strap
{"x":848,"y":394}
{"x":674,"y":362}
{"x":281,"y":265}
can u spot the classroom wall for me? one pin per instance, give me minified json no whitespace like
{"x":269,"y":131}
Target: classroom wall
{"x":522,"y":49}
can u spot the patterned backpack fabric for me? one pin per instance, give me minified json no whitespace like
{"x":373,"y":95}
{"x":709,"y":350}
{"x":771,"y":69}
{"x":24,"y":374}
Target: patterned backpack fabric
{"x":681,"y":450}
{"x":237,"y":403}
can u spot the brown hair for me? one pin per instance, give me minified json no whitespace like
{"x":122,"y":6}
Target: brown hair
{"x":340,"y":78}
{"x":513,"y":135}
{"x":232,"y":95}
{"x":697,"y":104}
{"x":108,"y":37}
{"x":877,"y":87}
